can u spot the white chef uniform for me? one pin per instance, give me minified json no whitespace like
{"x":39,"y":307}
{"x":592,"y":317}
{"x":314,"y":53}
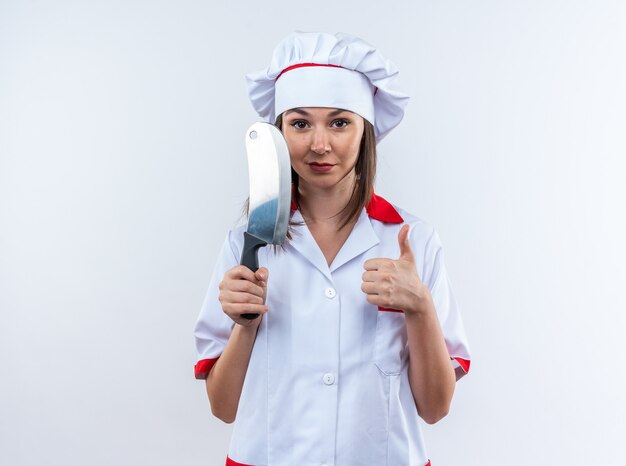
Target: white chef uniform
{"x":327,"y":382}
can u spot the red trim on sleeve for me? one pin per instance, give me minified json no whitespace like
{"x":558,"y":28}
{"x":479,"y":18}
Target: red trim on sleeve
{"x":380,"y":209}
{"x":230,"y":462}
{"x":388,"y":309}
{"x":203,"y":367}
{"x":464,"y":363}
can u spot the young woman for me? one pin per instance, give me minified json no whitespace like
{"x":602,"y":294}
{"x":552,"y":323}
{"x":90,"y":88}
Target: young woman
{"x":359,"y":334}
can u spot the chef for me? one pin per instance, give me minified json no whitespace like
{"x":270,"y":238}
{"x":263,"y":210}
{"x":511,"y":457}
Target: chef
{"x":359,"y":339}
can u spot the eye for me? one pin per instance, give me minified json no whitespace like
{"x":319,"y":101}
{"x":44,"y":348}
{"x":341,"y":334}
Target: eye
{"x":299,"y":124}
{"x":340,"y":123}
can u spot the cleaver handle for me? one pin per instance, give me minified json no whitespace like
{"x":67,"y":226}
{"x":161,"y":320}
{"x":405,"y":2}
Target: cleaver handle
{"x":250,"y":258}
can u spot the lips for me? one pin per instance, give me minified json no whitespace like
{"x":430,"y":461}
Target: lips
{"x":321,"y":167}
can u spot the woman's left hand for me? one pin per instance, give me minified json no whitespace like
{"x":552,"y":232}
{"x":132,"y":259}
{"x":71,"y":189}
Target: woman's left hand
{"x":395,"y":283}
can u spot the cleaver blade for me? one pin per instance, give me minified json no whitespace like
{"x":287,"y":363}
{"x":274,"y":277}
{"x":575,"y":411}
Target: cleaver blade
{"x":269,"y":171}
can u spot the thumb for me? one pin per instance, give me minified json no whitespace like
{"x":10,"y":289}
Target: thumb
{"x":406,"y":253}
{"x":262,"y":274}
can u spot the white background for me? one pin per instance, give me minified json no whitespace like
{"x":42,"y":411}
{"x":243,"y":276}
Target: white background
{"x":122,"y":166}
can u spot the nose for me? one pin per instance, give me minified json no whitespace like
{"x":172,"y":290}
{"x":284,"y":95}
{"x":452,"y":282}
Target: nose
{"x":320,"y":143}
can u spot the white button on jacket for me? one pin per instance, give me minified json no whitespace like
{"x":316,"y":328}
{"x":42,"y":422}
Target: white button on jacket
{"x":285,"y":415}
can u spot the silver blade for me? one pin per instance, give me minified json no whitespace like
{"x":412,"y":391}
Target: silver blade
{"x":269,"y":169}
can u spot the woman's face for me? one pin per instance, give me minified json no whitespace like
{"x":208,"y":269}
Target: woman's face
{"x":324,"y":145}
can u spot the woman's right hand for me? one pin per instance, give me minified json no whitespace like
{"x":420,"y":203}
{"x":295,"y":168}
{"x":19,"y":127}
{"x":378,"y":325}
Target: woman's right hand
{"x":243,"y":291}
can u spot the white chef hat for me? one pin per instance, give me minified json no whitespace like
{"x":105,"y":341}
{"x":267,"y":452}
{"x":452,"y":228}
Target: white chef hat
{"x":312,"y":69}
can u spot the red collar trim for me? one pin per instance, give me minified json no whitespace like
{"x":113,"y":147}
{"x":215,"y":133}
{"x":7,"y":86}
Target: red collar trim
{"x":378,"y":209}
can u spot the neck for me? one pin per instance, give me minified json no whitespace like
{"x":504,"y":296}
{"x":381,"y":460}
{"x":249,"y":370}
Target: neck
{"x":320,"y":205}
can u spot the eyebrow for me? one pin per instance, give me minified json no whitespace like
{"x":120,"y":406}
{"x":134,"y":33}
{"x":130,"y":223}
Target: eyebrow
{"x":305,"y":113}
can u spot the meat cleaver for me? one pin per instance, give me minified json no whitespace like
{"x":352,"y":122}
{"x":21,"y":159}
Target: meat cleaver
{"x":269,"y":170}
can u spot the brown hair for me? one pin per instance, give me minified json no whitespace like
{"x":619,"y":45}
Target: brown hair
{"x":365,"y":170}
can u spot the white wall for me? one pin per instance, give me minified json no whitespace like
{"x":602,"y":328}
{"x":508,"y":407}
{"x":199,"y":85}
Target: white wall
{"x":122,"y":166}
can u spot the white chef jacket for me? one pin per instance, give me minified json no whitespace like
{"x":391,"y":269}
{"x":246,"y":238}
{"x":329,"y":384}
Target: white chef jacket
{"x":327,"y":382}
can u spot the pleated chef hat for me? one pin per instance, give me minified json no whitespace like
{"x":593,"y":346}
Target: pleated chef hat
{"x":312,"y":69}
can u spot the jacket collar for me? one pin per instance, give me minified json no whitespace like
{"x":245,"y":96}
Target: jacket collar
{"x":362,"y":237}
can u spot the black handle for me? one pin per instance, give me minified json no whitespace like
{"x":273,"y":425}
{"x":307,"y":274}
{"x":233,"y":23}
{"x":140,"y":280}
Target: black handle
{"x":250,"y":258}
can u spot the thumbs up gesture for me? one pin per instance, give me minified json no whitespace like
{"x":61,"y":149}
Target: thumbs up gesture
{"x":395,"y":283}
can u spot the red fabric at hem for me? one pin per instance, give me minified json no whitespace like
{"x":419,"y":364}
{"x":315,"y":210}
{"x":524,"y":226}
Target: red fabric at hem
{"x":230,"y":462}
